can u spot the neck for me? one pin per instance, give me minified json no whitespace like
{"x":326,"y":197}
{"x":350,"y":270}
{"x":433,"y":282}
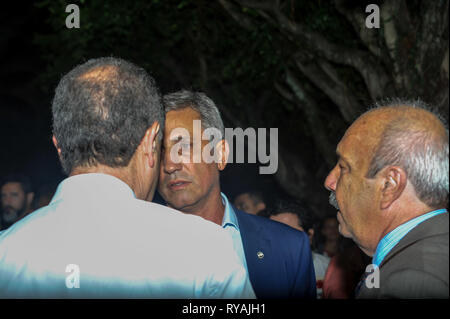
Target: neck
{"x":405,"y":217}
{"x":398,"y":214}
{"x":211,"y":208}
{"x":120,"y":173}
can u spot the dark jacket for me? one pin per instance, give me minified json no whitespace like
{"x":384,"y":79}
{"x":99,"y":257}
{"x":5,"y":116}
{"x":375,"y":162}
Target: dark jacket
{"x":417,"y":267}
{"x":278,"y":258}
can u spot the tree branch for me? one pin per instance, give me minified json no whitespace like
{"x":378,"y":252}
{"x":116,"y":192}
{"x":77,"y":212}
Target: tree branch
{"x":375,"y":77}
{"x":434,"y":24}
{"x":284,"y":92}
{"x":389,"y":10}
{"x":240,"y":18}
{"x":369,"y":37}
{"x":310,"y":107}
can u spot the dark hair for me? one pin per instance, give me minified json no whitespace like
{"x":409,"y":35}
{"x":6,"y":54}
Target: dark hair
{"x":198,"y":101}
{"x":23,"y":180}
{"x":101,"y":111}
{"x":255,"y":195}
{"x":305,"y":218}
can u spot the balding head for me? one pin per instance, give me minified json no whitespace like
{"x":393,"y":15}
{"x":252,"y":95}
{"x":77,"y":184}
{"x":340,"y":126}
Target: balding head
{"x":411,"y":136}
{"x":101,"y":112}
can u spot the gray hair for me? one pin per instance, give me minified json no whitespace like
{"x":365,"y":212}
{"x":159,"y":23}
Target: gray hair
{"x":423,"y":154}
{"x":199,"y":102}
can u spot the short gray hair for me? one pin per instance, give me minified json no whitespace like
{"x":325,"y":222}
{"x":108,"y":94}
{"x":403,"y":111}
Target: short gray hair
{"x":199,"y":102}
{"x":422,"y":154}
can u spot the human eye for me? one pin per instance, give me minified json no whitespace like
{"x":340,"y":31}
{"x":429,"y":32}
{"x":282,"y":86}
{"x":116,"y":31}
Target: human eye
{"x":342,"y":167}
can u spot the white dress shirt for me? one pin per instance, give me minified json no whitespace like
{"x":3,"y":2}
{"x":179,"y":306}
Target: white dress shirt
{"x":96,"y":240}
{"x":230,"y":224}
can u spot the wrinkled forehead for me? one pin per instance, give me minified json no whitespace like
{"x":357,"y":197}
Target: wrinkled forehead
{"x":361,"y":139}
{"x":360,"y":134}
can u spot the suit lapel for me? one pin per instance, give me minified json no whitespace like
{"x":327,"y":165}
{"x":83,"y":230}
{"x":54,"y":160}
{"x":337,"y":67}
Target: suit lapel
{"x":253,"y":238}
{"x":258,"y":254}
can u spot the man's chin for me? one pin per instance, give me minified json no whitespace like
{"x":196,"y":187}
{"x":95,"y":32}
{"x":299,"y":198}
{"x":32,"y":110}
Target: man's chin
{"x":179,"y":203}
{"x":342,"y":228}
{"x":344,"y":232}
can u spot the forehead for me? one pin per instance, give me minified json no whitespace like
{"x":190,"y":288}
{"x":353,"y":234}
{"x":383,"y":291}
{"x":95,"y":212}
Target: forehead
{"x":12,"y":187}
{"x":243,"y":198}
{"x":359,"y":141}
{"x":183,"y":118}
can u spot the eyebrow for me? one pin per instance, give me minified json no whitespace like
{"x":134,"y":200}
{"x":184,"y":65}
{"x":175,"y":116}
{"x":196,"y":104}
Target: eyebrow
{"x":343,"y":158}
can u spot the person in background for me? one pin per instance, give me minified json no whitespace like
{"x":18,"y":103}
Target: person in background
{"x":296,"y":215}
{"x":44,"y":195}
{"x":251,"y":202}
{"x":329,"y":237}
{"x":390,"y":188}
{"x":16,"y":199}
{"x":344,"y":271}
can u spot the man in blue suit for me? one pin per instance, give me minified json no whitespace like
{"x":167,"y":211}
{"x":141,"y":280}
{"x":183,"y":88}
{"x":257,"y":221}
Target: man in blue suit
{"x":278,"y":257}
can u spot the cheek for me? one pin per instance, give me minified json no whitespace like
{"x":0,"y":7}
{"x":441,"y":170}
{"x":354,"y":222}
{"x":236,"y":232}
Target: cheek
{"x":206,"y":175}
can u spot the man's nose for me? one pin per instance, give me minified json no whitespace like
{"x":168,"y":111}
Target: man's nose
{"x":330,"y":181}
{"x":171,"y":165}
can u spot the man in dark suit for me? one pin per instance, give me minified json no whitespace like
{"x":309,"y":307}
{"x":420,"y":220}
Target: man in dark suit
{"x":278,"y":257}
{"x":391,"y":188}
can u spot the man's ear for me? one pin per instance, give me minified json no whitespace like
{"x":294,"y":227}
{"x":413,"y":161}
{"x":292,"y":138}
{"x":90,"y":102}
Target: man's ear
{"x":310,"y":234}
{"x":260,"y":206}
{"x":30,"y":197}
{"x":150,"y":142}
{"x":393,"y":180}
{"x":222,"y":152}
{"x":55,"y":142}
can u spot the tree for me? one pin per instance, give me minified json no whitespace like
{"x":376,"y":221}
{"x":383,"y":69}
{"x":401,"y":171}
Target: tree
{"x":307,"y":67}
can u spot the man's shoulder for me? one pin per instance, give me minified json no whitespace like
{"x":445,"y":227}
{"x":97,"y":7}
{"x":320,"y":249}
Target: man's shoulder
{"x":424,"y":247}
{"x":426,"y":254}
{"x":164,"y":214}
{"x":417,"y":267}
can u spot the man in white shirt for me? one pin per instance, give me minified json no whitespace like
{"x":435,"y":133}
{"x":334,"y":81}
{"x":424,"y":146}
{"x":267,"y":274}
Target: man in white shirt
{"x":107,"y":124}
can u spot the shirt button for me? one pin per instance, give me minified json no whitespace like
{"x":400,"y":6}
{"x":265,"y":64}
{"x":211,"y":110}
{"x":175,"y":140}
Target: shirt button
{"x":260,"y":254}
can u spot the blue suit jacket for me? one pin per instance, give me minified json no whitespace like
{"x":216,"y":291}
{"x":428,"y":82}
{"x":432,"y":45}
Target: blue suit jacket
{"x":286,"y":268}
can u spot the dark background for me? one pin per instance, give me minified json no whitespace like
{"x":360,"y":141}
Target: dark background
{"x":308,"y":68}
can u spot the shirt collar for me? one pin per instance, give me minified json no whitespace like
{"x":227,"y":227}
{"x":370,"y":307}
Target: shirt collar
{"x":229,"y":217}
{"x":92,"y":184}
{"x":388,"y":242}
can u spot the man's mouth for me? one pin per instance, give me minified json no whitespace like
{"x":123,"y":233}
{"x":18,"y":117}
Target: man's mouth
{"x":177,"y":185}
